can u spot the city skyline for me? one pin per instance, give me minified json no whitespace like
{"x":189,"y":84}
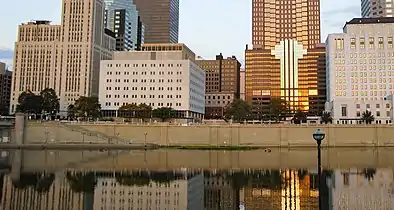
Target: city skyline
{"x":191,"y":29}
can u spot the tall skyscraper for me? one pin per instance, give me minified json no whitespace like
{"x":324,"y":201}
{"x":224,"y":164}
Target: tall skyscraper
{"x":122,"y":17}
{"x":64,"y":57}
{"x":161,"y":19}
{"x":377,"y":8}
{"x":284,"y":60}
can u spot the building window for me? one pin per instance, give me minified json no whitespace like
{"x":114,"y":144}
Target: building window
{"x":390,"y":42}
{"x":358,"y":106}
{"x":362,"y":43}
{"x":371,"y":43}
{"x":388,"y":113}
{"x":387,"y":106}
{"x":380,"y":42}
{"x":353,"y":43}
{"x":344,"y":111}
{"x":378,"y":113}
{"x":368,"y":106}
{"x":358,"y":114}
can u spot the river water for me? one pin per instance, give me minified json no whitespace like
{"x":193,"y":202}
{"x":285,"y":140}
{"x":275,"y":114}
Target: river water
{"x":270,"y":179}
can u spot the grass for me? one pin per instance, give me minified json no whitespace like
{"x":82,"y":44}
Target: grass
{"x":205,"y":147}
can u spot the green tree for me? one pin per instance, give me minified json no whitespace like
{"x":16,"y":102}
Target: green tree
{"x":128,"y":110}
{"x":50,"y":101}
{"x":71,"y":112}
{"x":165,"y":177}
{"x":144,"y":111}
{"x":278,"y":107}
{"x":87,"y":107}
{"x":369,"y":173}
{"x":164,"y":113}
{"x":44,"y":182}
{"x":367,"y":117}
{"x":300,"y":117}
{"x":238,"y":110}
{"x":326,"y":117}
{"x":29,"y":103}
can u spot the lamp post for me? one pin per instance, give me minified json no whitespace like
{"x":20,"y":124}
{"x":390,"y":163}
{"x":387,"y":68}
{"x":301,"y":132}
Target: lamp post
{"x":319,"y":135}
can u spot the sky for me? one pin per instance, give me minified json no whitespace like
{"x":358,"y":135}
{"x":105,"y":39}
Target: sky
{"x":208,"y":27}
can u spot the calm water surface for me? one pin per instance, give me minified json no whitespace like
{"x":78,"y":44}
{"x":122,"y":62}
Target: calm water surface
{"x":272,"y":179}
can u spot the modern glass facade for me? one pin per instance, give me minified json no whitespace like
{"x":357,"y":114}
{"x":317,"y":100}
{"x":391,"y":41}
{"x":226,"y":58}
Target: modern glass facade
{"x":284,"y":60}
{"x":121,"y":17}
{"x":161,"y":19}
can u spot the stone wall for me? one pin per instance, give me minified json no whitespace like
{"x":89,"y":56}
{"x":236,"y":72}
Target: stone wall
{"x":252,"y":135}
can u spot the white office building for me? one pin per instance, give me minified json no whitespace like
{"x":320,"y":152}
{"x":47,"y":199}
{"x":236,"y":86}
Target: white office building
{"x":183,"y":194}
{"x":360,"y":70}
{"x":165,"y":78}
{"x":377,"y":8}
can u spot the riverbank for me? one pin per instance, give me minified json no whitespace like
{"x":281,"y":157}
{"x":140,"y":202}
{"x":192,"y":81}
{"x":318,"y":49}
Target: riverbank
{"x":213,"y":137}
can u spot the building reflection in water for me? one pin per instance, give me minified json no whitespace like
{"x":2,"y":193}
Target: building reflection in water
{"x":284,"y":189}
{"x":362,"y":189}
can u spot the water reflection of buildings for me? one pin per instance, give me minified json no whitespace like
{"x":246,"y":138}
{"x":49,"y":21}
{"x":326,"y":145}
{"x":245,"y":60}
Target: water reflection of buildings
{"x":181,"y":194}
{"x":59,"y":197}
{"x":285,"y":190}
{"x":362,"y":189}
{"x":219,"y":193}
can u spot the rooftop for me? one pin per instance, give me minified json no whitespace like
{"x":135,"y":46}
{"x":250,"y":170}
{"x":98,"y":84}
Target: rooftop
{"x":370,"y":20}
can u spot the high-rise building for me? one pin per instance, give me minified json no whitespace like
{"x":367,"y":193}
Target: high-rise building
{"x":160,"y":75}
{"x":122,"y":17}
{"x":5,"y":88}
{"x":377,"y":8}
{"x":221,"y":84}
{"x":64,"y":57}
{"x":283,"y":62}
{"x":161,"y":19}
{"x":360,"y":70}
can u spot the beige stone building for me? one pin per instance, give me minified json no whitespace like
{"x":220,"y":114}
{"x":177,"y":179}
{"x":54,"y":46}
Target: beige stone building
{"x":64,"y":57}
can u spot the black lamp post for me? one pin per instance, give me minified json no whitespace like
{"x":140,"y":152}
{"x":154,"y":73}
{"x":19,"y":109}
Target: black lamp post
{"x":319,"y":135}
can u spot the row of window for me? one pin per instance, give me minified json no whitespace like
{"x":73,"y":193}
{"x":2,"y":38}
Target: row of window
{"x":144,"y":80}
{"x":143,"y":96}
{"x":150,"y":104}
{"x":218,"y":97}
{"x":127,"y":65}
{"x":358,"y":113}
{"x":143,"y":88}
{"x":340,"y":43}
{"x":144,"y":73}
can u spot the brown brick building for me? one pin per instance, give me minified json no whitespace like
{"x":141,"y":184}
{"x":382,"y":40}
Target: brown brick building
{"x":222,"y":83}
{"x":285,"y":57}
{"x":161,"y":20}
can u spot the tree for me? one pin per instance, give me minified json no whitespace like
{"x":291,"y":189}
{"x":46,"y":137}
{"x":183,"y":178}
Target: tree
{"x":87,"y":107}
{"x":50,"y":101}
{"x":300,"y":117}
{"x":367,"y":117}
{"x":128,"y":110}
{"x":29,"y":103}
{"x":369,"y":173}
{"x":144,"y":111}
{"x":71,"y":112}
{"x":278,"y":107}
{"x":326,"y":117}
{"x":82,"y":182}
{"x":237,"y":110}
{"x":164,"y":113}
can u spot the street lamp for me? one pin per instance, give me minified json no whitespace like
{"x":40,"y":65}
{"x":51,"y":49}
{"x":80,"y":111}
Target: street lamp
{"x":319,"y":135}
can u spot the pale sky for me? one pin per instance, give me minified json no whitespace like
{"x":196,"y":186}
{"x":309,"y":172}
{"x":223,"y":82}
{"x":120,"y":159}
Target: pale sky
{"x":208,"y":27}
